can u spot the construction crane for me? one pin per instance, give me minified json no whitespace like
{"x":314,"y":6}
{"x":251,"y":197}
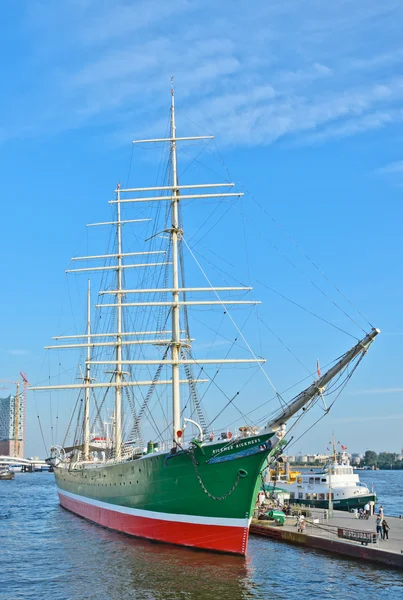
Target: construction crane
{"x":16,"y":413}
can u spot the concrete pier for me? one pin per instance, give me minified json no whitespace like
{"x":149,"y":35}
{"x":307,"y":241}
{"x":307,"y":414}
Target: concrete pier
{"x":324,"y":534}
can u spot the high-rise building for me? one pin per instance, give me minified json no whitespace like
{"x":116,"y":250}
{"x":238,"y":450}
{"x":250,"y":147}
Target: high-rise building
{"x":12,"y":426}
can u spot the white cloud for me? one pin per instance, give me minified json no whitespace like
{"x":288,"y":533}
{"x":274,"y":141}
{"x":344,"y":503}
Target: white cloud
{"x":366,"y":419}
{"x":353,"y":126}
{"x":306,"y":70}
{"x":391,"y":390}
{"x":395,"y":167}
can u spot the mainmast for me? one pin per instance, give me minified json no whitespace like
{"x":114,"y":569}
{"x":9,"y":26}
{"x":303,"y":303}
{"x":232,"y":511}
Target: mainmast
{"x":175,"y":233}
{"x":118,"y":371}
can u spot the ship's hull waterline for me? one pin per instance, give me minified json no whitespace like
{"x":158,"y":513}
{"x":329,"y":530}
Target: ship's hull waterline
{"x":168,"y":498}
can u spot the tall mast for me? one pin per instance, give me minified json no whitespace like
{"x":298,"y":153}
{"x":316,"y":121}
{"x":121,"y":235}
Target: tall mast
{"x":175,"y":232}
{"x":118,"y":372}
{"x":334,"y":448}
{"x":87,"y":379}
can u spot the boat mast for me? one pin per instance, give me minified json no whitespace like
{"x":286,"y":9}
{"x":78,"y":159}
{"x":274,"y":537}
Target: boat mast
{"x":334,"y":449}
{"x":175,"y":233}
{"x":118,"y":371}
{"x":87,"y":379}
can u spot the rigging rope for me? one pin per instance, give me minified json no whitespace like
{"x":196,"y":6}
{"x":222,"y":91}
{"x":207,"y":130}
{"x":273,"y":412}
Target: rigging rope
{"x":232,"y":320}
{"x":135,"y":430}
{"x":322,"y":273}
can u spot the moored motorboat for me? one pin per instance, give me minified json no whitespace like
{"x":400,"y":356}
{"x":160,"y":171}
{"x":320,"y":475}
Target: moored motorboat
{"x":313,"y":488}
{"x":6,"y":474}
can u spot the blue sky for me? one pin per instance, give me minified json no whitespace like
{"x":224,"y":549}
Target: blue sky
{"x":305,"y":101}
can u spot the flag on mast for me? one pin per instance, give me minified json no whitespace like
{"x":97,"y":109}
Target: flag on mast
{"x":318,"y":367}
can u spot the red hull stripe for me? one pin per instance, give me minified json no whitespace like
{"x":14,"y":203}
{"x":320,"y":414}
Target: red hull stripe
{"x":222,"y":538}
{"x":161,"y":516}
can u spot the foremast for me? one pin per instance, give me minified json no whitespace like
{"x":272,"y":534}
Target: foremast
{"x":87,"y":379}
{"x":175,"y":233}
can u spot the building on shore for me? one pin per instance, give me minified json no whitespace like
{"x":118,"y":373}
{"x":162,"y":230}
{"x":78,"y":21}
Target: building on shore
{"x":356,"y":458}
{"x":310,"y":458}
{"x":12,"y":426}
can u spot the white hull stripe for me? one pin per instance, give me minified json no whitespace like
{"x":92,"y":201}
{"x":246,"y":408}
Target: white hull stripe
{"x":149,"y":514}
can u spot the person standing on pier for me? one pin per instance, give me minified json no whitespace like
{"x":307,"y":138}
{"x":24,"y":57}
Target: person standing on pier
{"x":385,"y":529}
{"x":379,"y":529}
{"x":261,"y":498}
{"x":381,"y":511}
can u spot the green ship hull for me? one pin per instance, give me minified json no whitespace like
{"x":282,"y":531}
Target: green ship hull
{"x":203,"y":498}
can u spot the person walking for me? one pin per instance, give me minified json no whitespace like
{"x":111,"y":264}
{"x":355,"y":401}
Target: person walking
{"x":379,"y":529}
{"x":385,"y":529}
{"x":381,"y":510}
{"x":367,"y":510}
{"x":301,"y":524}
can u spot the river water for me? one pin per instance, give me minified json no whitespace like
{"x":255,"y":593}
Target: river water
{"x":46,"y":553}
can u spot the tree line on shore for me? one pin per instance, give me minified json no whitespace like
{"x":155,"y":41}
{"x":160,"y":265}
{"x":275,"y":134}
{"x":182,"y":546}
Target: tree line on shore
{"x":383,"y":460}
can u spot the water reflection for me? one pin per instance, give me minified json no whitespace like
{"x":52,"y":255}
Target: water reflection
{"x":48,"y":553}
{"x":132,"y":568}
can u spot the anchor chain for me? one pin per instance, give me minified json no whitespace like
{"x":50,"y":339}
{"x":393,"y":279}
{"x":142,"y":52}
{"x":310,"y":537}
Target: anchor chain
{"x":205,"y":490}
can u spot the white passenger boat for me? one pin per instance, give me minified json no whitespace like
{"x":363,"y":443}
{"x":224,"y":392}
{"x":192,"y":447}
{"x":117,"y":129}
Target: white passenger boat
{"x":313,"y":488}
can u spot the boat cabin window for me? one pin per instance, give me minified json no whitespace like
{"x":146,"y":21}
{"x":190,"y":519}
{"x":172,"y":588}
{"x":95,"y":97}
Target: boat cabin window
{"x":327,"y":496}
{"x":345,"y":471}
{"x":314,"y":496}
{"x":299,"y":479}
{"x":323,"y":480}
{"x":311,"y":479}
{"x":317,"y":479}
{"x":300,"y":495}
{"x":321,"y":496}
{"x":307,"y":496}
{"x":292,"y":495}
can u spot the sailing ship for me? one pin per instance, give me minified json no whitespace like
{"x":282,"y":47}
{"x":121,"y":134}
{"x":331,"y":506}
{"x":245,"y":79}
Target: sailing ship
{"x":196,"y":491}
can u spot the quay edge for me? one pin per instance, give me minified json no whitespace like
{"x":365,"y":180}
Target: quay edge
{"x":368,"y":553}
